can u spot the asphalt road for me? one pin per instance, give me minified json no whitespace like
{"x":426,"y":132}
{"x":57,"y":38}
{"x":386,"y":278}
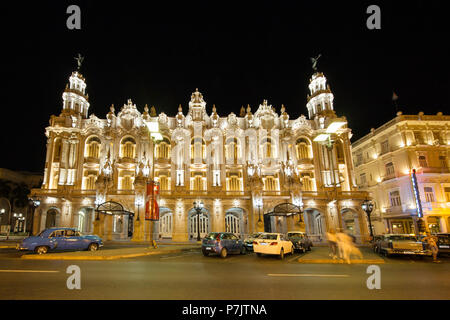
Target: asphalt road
{"x":190,"y":275}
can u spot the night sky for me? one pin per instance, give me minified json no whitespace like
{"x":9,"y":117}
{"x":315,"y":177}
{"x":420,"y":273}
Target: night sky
{"x":236,"y":53}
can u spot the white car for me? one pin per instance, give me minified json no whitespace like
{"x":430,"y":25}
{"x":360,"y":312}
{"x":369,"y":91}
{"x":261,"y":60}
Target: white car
{"x":272,"y":243}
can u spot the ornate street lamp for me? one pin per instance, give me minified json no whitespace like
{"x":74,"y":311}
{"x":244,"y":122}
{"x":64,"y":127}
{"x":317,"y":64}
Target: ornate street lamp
{"x":259,"y":204}
{"x":198,"y":206}
{"x":34,"y":203}
{"x":367,"y":206}
{"x":139,"y":202}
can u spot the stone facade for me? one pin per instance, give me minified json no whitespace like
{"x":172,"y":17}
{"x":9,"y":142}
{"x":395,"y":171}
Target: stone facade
{"x":384,"y":160}
{"x":240,"y":166}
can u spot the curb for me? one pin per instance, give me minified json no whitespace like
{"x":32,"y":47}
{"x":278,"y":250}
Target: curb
{"x":331,"y":261}
{"x":97,"y":258}
{"x":7,"y":247}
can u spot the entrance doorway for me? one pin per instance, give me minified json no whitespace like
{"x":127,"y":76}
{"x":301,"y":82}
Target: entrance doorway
{"x":203,"y":223}
{"x":166,"y":224}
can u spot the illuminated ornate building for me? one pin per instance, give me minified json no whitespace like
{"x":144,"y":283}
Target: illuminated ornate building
{"x":241,"y":166}
{"x":384,"y":160}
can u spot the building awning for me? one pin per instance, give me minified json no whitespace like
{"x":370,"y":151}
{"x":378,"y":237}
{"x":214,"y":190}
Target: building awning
{"x":285,"y":210}
{"x":112,"y":208}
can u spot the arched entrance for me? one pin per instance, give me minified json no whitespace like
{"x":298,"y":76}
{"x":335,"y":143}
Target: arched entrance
{"x":202,"y":221}
{"x":50,"y":220}
{"x":315,"y":224}
{"x":85,"y":220}
{"x":276,"y":220}
{"x":122,"y":219}
{"x":235,"y":222}
{"x":165,"y":223}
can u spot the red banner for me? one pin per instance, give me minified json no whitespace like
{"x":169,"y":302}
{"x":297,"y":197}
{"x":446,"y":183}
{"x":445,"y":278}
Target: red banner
{"x":151,"y":203}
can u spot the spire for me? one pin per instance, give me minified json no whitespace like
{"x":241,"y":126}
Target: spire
{"x":152,"y":112}
{"x":242,"y":113}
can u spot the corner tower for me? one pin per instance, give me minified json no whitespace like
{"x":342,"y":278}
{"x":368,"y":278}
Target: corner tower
{"x":320,"y":99}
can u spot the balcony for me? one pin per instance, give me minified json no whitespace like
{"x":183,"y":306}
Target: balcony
{"x":433,"y":170}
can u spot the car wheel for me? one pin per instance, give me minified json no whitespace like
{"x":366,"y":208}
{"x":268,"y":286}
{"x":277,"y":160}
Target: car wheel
{"x":243,"y":250}
{"x":281,"y":254}
{"x":205,"y":253}
{"x":93,"y":247}
{"x":259,"y":254}
{"x":41,"y":250}
{"x":386,"y":254}
{"x":223,"y":253}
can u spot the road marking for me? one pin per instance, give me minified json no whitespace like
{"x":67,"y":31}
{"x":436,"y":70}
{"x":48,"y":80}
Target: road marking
{"x":40,"y":271}
{"x":292,"y":259}
{"x":308,"y":275}
{"x":182,"y":255}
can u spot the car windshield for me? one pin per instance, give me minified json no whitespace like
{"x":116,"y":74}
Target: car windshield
{"x":255,"y":235}
{"x":41,"y":233}
{"x":212,"y":236}
{"x":268,"y":236}
{"x":402,"y":238}
{"x":295,"y":235}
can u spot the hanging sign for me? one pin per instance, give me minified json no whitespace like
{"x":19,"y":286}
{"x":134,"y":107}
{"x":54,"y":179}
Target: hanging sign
{"x":151,"y":204}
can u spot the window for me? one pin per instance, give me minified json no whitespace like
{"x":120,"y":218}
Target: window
{"x":390,"y":171}
{"x":359,"y":159}
{"x":394,"y":196}
{"x":198,"y":181}
{"x":362,"y":178}
{"x":92,"y":148}
{"x":128,"y":148}
{"x":302,"y":149}
{"x":270,"y":183}
{"x":307,"y":180}
{"x":429,"y":194}
{"x":447,"y":193}
{"x":164,"y":182}
{"x":385,"y":147}
{"x":198,"y":148}
{"x":423,"y":161}
{"x":234,"y":181}
{"x":443,"y":161}
{"x":163,"y":149}
{"x":419,"y":137}
{"x":89,"y":179}
{"x":232,"y":149}
{"x":57,"y":152}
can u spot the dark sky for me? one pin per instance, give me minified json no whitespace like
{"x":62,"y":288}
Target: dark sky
{"x":236,"y":53}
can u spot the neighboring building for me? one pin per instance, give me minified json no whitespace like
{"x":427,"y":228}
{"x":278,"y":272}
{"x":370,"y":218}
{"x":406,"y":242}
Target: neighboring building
{"x":241,"y":167}
{"x":384,"y":160}
{"x":15,"y":212}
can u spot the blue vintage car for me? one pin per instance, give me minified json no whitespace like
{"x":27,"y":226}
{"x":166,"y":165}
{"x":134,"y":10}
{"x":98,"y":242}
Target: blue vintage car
{"x":60,"y":239}
{"x":222,"y":243}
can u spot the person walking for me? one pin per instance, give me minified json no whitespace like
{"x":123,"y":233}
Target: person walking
{"x":432,"y":244}
{"x":332,"y":241}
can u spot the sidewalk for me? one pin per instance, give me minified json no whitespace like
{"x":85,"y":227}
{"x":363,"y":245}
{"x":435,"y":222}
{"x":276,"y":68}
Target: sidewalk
{"x":105,"y":253}
{"x":321,"y":255}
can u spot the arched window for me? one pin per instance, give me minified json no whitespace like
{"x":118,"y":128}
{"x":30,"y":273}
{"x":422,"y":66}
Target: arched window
{"x":163,"y":149}
{"x":390,"y":171}
{"x":128,"y":148}
{"x":92,"y":149}
{"x":302,"y":149}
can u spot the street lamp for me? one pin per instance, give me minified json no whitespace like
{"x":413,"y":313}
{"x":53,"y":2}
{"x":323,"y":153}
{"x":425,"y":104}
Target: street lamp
{"x":34,"y":204}
{"x":198,"y":206}
{"x":139,"y":202}
{"x":367,"y":206}
{"x":259,"y":204}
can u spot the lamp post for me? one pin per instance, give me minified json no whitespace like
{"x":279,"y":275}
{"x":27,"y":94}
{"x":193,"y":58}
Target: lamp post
{"x":34,"y":204}
{"x":259,"y":204}
{"x":367,"y":206}
{"x":139,"y":202}
{"x":198,"y":206}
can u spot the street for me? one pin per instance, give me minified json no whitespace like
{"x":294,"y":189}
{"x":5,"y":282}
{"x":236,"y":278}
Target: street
{"x":190,"y":275}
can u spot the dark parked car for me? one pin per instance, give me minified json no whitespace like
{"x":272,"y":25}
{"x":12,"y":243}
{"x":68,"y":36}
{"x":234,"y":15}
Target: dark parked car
{"x":443,"y":243}
{"x":248,"y":242}
{"x":222,"y":243}
{"x":60,"y":239}
{"x":300,"y":241}
{"x":376,"y":243}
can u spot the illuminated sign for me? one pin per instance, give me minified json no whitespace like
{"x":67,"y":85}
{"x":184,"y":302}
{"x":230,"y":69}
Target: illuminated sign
{"x":416,"y":193}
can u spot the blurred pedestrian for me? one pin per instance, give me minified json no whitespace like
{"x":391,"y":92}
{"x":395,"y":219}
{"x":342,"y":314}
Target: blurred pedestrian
{"x":332,"y":241}
{"x":432,"y":244}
